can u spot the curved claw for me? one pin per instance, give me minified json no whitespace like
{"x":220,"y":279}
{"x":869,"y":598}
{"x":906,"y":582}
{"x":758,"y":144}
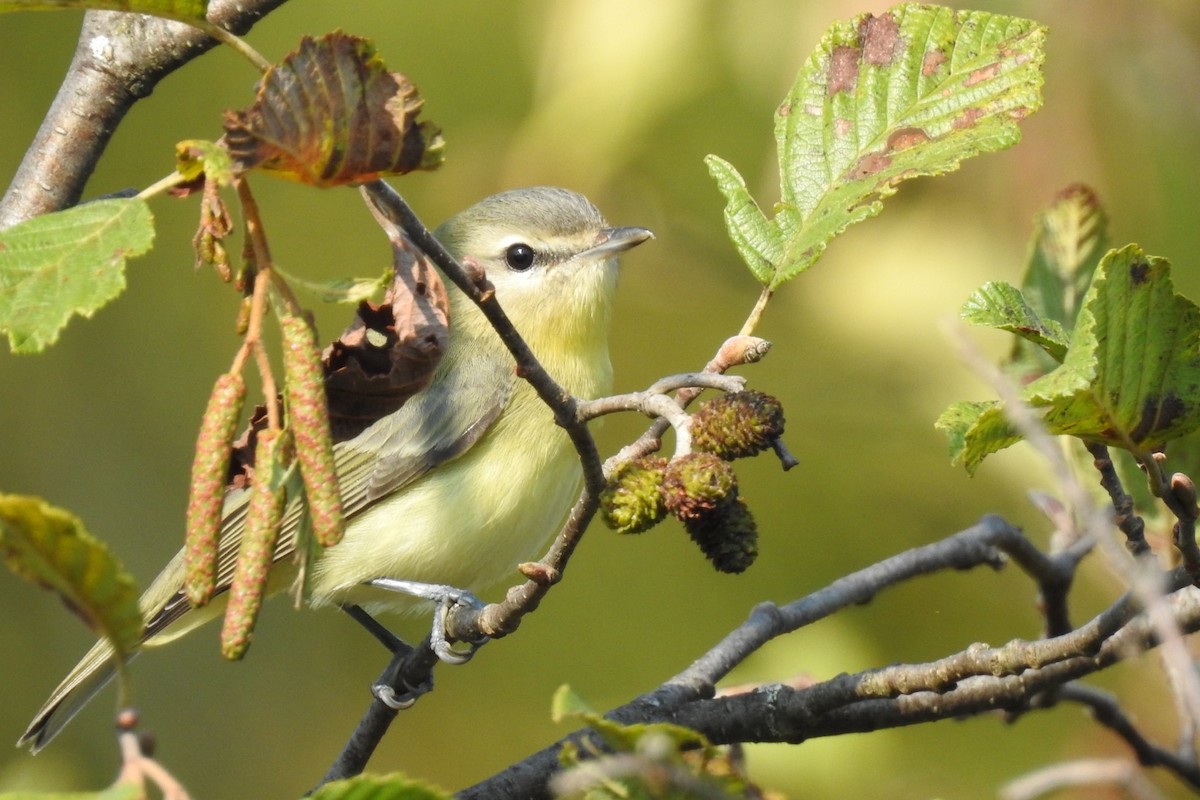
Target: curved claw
{"x":441,"y":646}
{"x":397,"y":702}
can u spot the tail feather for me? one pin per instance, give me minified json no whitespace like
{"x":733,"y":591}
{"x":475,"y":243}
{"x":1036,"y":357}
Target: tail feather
{"x":91,"y":675}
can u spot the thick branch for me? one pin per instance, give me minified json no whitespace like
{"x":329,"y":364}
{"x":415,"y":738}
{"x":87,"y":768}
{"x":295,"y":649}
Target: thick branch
{"x":977,"y":679}
{"x":119,"y":60}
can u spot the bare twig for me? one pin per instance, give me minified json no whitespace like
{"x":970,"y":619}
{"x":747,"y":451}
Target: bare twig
{"x":1083,"y":772}
{"x":1107,"y":711}
{"x":1125,"y":518}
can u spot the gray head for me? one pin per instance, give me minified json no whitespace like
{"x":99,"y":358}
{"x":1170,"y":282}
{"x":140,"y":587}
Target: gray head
{"x":549,"y":253}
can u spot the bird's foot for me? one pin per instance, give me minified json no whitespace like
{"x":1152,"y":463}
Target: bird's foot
{"x":446,"y":597}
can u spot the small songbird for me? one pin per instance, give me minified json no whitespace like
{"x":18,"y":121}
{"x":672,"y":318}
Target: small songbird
{"x":471,"y":476}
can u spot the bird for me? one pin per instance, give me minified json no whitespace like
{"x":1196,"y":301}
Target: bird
{"x":471,"y":476}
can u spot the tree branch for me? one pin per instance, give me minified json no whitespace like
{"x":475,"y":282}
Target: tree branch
{"x":120,"y":58}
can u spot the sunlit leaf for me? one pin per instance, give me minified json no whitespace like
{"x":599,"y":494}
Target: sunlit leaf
{"x":913,"y":91}
{"x":338,"y":290}
{"x":69,"y":262}
{"x":1069,"y":240}
{"x":50,"y":547}
{"x":331,"y":114}
{"x":976,"y":430}
{"x":196,"y":158}
{"x":378,"y":787}
{"x":1131,"y":377}
{"x":1000,"y":305}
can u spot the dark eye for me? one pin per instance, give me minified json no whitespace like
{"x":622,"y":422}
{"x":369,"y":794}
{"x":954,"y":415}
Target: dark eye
{"x":519,"y":256}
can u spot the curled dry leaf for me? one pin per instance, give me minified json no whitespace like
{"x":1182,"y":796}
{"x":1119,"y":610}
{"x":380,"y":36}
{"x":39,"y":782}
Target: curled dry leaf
{"x":390,"y":351}
{"x":331,"y":114}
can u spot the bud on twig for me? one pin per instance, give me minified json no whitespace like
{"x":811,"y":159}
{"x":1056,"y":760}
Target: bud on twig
{"x":207,"y":495}
{"x":309,"y":421}
{"x":257,"y":548}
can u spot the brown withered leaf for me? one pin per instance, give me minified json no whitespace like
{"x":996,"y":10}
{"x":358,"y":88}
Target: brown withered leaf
{"x":390,"y":351}
{"x":387,"y":354}
{"x":331,"y":114}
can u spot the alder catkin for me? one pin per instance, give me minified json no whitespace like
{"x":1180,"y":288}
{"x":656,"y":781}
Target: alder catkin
{"x":309,"y":421}
{"x":206,"y":497}
{"x":257,"y":548}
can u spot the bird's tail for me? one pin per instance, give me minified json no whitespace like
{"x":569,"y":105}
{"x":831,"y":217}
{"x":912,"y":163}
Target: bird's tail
{"x":90,"y":675}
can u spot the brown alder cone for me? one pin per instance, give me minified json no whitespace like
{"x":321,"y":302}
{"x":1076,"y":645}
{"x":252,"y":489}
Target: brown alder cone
{"x":206,"y":497}
{"x":256,"y":551}
{"x":309,"y":422}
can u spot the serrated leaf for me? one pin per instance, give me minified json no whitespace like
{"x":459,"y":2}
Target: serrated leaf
{"x":331,"y":114}
{"x":196,"y":158}
{"x":50,"y":547}
{"x":172,"y":9}
{"x":976,"y":430}
{"x":1131,"y":376}
{"x":1068,"y":241}
{"x":1070,"y":237}
{"x":395,"y":786}
{"x":911,"y":92}
{"x":339,"y":290}
{"x":756,"y":238}
{"x":69,"y":262}
{"x":567,"y":706}
{"x":998,"y":304}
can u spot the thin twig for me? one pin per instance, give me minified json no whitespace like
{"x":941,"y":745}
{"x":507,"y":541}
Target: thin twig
{"x":1107,"y":711}
{"x":1129,"y":522}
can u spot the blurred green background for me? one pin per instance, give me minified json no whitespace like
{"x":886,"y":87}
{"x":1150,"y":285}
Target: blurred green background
{"x":619,"y":99}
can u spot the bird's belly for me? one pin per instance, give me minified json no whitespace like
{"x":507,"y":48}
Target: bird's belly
{"x":467,"y":524}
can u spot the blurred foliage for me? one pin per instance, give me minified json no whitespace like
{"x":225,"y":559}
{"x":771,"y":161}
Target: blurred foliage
{"x":620,"y":100}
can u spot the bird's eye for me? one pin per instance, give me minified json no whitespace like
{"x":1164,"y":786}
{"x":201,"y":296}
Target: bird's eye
{"x":519,"y":256}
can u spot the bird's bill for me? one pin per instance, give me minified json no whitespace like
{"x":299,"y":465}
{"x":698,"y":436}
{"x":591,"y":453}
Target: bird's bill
{"x":616,"y":240}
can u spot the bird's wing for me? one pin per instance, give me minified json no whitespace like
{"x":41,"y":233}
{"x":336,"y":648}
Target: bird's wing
{"x":436,"y":425}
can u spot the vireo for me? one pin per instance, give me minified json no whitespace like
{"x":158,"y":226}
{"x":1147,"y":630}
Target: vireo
{"x":471,"y":476}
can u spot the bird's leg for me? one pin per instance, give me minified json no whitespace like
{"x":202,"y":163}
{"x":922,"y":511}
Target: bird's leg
{"x":394,"y":644}
{"x":446,"y":597}
{"x":400,"y":650}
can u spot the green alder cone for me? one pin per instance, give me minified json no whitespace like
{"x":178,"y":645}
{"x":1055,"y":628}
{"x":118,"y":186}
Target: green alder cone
{"x":696,"y":484}
{"x":738,"y":424}
{"x":631,"y":503}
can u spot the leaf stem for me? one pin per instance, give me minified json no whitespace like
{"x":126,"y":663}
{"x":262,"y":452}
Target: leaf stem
{"x":756,"y":313}
{"x":233,"y":40}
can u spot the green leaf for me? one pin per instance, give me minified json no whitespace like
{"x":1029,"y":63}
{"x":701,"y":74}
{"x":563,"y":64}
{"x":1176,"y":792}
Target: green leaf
{"x":756,"y":237}
{"x":567,"y":706}
{"x":1000,"y":305}
{"x":910,"y":92}
{"x":976,"y":430}
{"x":1069,"y":238}
{"x":1131,"y":377}
{"x":339,"y":290}
{"x":50,"y":547}
{"x":378,"y":787}
{"x":173,"y":9}
{"x":198,"y":157}
{"x":65,"y":263}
